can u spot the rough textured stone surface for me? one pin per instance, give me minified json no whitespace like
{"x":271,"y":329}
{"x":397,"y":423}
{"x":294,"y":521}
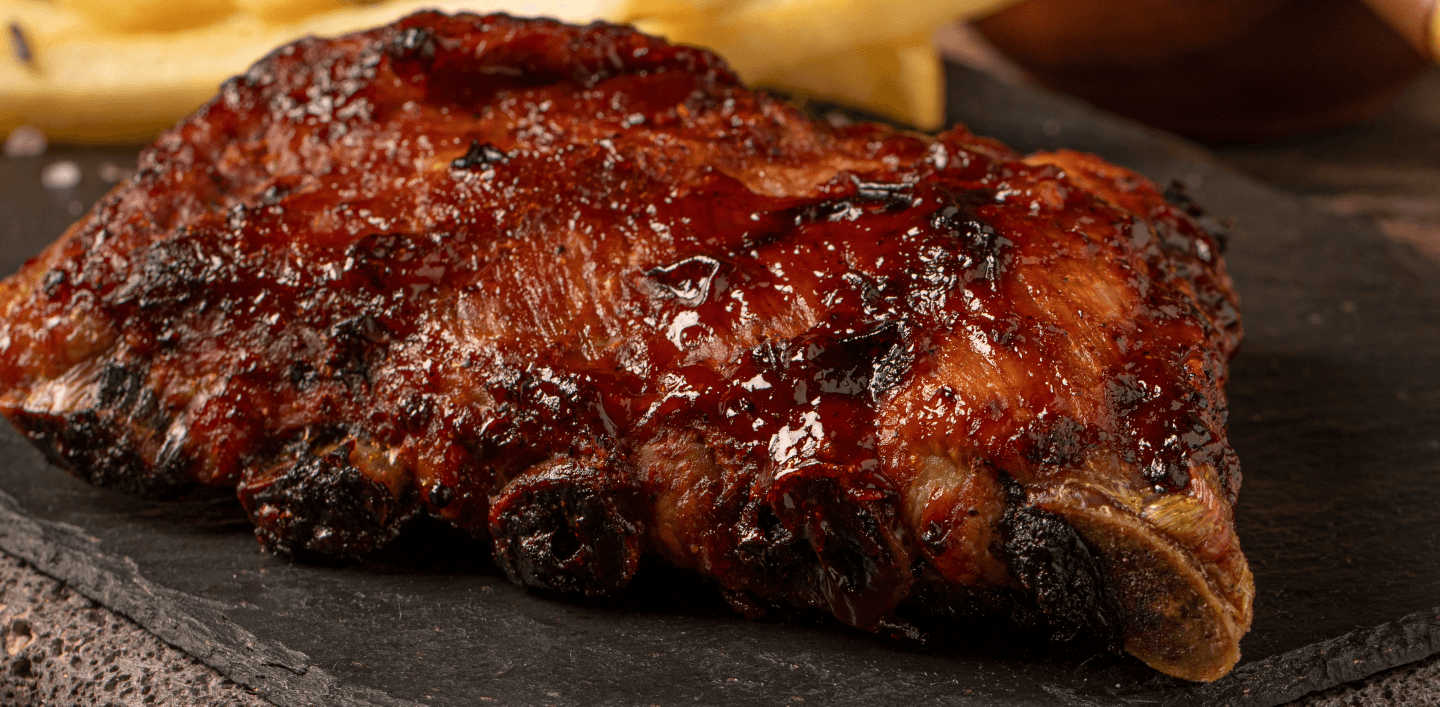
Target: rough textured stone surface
{"x":1417,"y":684}
{"x":60,"y":648}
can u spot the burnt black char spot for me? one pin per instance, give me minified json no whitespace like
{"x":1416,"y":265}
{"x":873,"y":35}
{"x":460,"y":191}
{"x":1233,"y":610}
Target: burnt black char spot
{"x":54,"y":281}
{"x":120,"y":386}
{"x":301,"y":374}
{"x":101,"y":443}
{"x":568,"y":526}
{"x":322,"y":504}
{"x":1125,"y":392}
{"x":350,"y":342}
{"x":981,"y":245}
{"x":1062,"y":576}
{"x":381,"y":260}
{"x":764,"y":542}
{"x":1061,"y":441}
{"x":174,"y":273}
{"x":414,"y":43}
{"x":817,"y":544}
{"x":1177,"y":196}
{"x":97,"y":447}
{"x":479,"y":155}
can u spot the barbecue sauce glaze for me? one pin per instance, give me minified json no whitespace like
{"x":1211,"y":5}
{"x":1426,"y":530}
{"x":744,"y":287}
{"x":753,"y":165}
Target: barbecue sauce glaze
{"x":580,"y":292}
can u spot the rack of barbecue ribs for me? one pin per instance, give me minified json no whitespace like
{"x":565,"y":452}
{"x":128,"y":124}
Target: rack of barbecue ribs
{"x":581,"y":293}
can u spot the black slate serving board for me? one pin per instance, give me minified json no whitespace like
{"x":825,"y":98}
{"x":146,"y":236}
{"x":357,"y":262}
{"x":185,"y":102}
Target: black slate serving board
{"x":1335,"y":414}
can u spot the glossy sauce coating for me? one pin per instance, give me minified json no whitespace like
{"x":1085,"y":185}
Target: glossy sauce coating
{"x":579,"y":291}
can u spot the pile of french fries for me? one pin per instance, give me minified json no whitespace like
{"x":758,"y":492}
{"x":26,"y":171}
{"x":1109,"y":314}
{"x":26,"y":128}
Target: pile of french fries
{"x":94,"y":71}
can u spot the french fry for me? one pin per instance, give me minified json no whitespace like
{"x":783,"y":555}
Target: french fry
{"x":89,"y":86}
{"x":902,"y":81}
{"x":134,"y":16}
{"x":103,"y":71}
{"x":286,"y":11}
{"x":648,"y":9}
{"x":763,"y":36}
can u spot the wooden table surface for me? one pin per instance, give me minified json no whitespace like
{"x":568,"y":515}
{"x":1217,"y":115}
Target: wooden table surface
{"x":61,"y":649}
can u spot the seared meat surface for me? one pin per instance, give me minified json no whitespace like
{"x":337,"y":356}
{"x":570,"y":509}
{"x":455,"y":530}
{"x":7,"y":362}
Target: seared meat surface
{"x":581,"y":293}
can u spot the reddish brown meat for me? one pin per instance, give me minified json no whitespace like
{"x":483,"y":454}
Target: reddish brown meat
{"x":580,"y":292}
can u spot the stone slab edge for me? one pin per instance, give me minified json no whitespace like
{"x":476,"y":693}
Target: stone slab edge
{"x":1321,"y":666}
{"x":195,"y":625}
{"x":287,"y":678}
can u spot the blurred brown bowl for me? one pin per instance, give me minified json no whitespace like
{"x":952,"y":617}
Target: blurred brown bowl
{"x":1216,"y":70}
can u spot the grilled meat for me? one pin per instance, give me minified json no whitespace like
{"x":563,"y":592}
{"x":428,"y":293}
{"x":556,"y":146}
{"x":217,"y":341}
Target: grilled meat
{"x":581,"y":293}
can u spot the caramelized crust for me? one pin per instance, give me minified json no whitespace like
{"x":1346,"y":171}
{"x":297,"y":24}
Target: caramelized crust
{"x":579,"y":291}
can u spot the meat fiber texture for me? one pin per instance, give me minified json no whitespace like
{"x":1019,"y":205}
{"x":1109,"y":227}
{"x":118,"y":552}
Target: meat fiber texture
{"x":581,"y":293}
